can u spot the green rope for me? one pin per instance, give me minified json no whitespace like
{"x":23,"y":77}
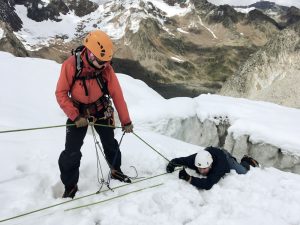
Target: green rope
{"x":151,"y":147}
{"x":36,"y":128}
{"x":49,"y":127}
{"x":85,"y":196}
{"x":103,"y":125}
{"x":109,"y":199}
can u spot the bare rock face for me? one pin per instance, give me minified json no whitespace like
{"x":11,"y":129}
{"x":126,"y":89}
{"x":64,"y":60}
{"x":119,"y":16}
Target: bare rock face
{"x":272,"y":73}
{"x":292,"y":16}
{"x":82,"y":7}
{"x":10,"y":43}
{"x":40,"y":10}
{"x":283,"y":15}
{"x":9,"y":16}
{"x":194,"y":58}
{"x":226,"y":15}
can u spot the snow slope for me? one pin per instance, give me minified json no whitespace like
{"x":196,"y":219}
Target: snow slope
{"x":29,"y":177}
{"x":1,"y":33}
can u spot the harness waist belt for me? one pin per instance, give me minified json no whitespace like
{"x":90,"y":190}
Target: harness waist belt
{"x":90,"y":109}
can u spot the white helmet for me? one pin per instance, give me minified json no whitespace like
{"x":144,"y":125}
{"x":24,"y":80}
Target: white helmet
{"x":203,"y":159}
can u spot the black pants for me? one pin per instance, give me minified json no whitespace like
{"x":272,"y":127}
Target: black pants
{"x":69,"y":160}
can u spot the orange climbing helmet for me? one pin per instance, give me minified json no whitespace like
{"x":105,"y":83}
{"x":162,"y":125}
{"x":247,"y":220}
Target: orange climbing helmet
{"x":100,"y":44}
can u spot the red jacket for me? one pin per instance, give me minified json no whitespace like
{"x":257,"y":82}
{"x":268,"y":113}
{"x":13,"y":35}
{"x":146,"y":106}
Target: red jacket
{"x":94,"y":92}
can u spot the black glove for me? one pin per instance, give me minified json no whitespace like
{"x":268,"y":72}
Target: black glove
{"x":170,"y":167}
{"x":184,"y":175}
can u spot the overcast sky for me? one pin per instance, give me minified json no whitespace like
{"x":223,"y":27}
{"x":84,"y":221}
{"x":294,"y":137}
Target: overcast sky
{"x":249,"y":2}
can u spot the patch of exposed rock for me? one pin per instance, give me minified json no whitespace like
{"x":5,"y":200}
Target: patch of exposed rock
{"x":272,"y":73}
{"x":10,"y":43}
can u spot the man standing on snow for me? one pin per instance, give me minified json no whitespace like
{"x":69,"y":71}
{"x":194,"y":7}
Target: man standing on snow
{"x":86,"y":83}
{"x":211,"y":162}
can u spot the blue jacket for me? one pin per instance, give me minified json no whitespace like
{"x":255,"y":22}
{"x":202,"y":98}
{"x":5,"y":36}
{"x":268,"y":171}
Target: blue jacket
{"x":219,"y":168}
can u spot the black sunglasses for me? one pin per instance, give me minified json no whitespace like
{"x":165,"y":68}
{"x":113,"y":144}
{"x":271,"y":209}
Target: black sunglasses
{"x":94,"y":58}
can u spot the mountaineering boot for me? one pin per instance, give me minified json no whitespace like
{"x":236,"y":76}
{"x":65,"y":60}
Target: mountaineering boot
{"x":250,"y":161}
{"x":70,"y":192}
{"x":119,"y":175}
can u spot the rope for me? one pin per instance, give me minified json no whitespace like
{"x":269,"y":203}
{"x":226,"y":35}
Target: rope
{"x":49,"y":127}
{"x":94,"y":124}
{"x":99,"y":168}
{"x":118,"y":196}
{"x":78,"y":198}
{"x":136,"y":174}
{"x":103,"y":125}
{"x":151,"y":147}
{"x":36,"y":128}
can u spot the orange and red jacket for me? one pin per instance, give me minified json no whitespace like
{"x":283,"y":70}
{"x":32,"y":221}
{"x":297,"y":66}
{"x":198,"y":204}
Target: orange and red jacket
{"x":65,"y":80}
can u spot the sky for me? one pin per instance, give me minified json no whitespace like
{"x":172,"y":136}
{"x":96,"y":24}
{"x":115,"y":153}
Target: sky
{"x":249,"y":2}
{"x":29,"y":177}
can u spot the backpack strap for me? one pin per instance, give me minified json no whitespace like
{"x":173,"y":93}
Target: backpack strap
{"x":78,"y":66}
{"x":102,"y":84}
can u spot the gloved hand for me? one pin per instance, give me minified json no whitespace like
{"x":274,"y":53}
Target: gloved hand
{"x":81,"y":122}
{"x":170,"y":167}
{"x":184,"y":175}
{"x":128,"y":128}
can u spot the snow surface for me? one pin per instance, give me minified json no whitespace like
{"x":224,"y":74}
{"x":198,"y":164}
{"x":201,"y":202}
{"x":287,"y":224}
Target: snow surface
{"x":177,"y":59}
{"x":30,"y":176}
{"x":244,"y":10}
{"x":40,"y":33}
{"x":182,"y":31}
{"x":1,"y":33}
{"x":175,"y":10}
{"x":207,"y":28}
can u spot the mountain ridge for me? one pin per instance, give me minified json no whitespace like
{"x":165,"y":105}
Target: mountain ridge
{"x":193,"y":45}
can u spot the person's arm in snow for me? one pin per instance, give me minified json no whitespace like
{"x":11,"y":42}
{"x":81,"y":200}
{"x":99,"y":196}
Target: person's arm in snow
{"x":182,"y":161}
{"x":205,"y":183}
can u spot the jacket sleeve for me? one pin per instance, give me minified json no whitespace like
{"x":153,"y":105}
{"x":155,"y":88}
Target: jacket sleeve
{"x":185,"y":161}
{"x":116,"y":93}
{"x":206,"y":183}
{"x":63,"y":87}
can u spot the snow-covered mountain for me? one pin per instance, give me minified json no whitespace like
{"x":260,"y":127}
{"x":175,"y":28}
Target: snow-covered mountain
{"x":283,"y":15}
{"x":29,"y":175}
{"x":182,"y":47}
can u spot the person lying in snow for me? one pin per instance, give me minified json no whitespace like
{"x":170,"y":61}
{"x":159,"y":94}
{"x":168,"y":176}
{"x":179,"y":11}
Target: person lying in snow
{"x":211,"y":162}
